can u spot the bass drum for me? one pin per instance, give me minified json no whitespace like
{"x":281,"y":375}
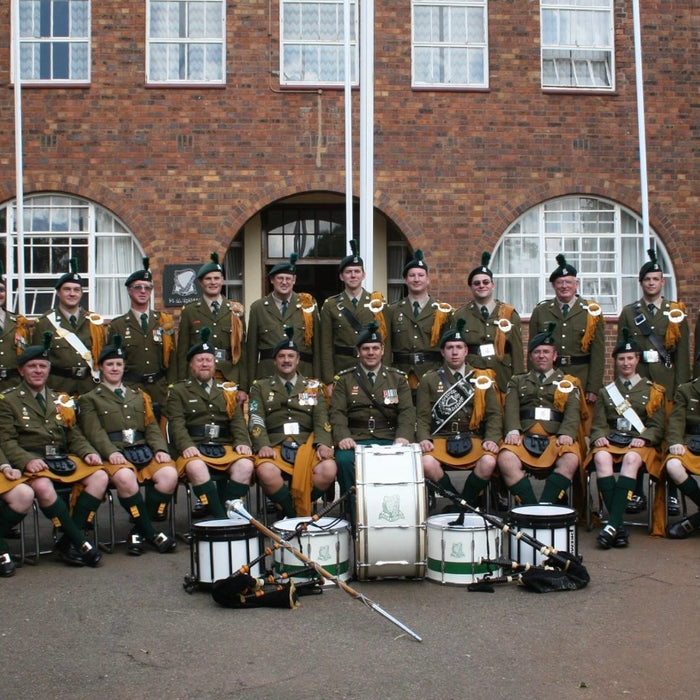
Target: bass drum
{"x":391,"y":512}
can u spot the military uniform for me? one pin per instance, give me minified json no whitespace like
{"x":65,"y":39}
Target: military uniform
{"x":341,"y":324}
{"x":227,"y":335}
{"x":579,"y":338}
{"x":266,"y":326}
{"x":72,"y":364}
{"x":298,"y":419}
{"x":414,"y":340}
{"x":14,"y":337}
{"x":490,"y":346}
{"x":150,"y":361}
{"x":675,"y":338}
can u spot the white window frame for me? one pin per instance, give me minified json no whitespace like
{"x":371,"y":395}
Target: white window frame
{"x":182,"y":44}
{"x":442,"y":50}
{"x":74,"y":227}
{"x":602,"y":239}
{"x":33,"y":44}
{"x":568,"y":50}
{"x":293,"y":40}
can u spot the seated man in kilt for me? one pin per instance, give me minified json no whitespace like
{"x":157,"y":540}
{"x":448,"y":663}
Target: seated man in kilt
{"x":288,"y":424}
{"x":41,"y":440}
{"x":628,"y":426}
{"x":459,"y":420}
{"x":208,"y":430}
{"x":542,"y":422}
{"x":683,"y":460}
{"x":120,"y":422}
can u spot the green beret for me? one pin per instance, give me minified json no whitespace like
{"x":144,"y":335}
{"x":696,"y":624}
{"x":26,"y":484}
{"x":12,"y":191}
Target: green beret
{"x":544,"y":338}
{"x":140,"y":275}
{"x":203,"y":346}
{"x":353,"y":259}
{"x":288,"y":266}
{"x":212,"y":266}
{"x":417,"y":261}
{"x":652,"y":265}
{"x":71,"y":276}
{"x":36,"y":352}
{"x":563,"y":269}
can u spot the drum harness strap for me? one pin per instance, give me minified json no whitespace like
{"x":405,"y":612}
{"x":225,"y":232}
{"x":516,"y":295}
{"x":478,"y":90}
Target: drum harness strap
{"x":452,"y":401}
{"x":640,"y":320}
{"x":623,"y":407}
{"x":76,"y":343}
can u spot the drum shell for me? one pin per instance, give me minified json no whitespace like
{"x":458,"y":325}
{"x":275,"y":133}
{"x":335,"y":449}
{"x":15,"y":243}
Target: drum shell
{"x":390,"y":538}
{"x":221,"y":547}
{"x":555,"y":526}
{"x":326,"y":542}
{"x":455,"y":551}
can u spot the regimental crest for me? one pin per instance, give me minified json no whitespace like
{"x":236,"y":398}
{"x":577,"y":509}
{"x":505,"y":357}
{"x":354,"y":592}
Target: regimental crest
{"x":391,"y":508}
{"x":324,"y":553}
{"x":457,"y":551}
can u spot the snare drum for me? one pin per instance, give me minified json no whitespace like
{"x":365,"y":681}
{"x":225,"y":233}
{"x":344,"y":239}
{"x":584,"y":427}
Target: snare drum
{"x":455,"y":551}
{"x":326,"y":542}
{"x":552,"y":525}
{"x":391,"y":512}
{"x":221,"y":547}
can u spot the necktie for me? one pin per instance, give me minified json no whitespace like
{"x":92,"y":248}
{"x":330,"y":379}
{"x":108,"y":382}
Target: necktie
{"x":628,"y":384}
{"x":284,"y":307}
{"x":652,"y":308}
{"x":542,"y":376}
{"x":144,"y":322}
{"x":565,"y":310}
{"x":73,"y":321}
{"x":354,"y":303}
{"x":289,"y":386}
{"x":416,"y":309}
{"x":458,"y":375}
{"x":484,"y":313}
{"x":119,"y":393}
{"x":215,"y":307}
{"x":205,"y":386}
{"x":42,"y":403}
{"x":370,"y":376}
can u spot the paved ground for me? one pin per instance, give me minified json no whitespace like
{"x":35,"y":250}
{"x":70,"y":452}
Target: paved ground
{"x":129,"y":630}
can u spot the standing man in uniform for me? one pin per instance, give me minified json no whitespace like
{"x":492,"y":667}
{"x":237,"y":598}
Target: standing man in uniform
{"x":416,"y":323}
{"x":148,"y":341}
{"x":280,"y":309}
{"x":371,"y":405}
{"x":580,"y":331}
{"x":209,"y":431}
{"x":288,"y":423}
{"x":345,"y":315}
{"x":660,"y":328}
{"x":226,"y":321}
{"x":459,"y":419}
{"x":492,"y":329}
{"x":14,"y":338}
{"x":541,"y":423}
{"x":78,"y":337}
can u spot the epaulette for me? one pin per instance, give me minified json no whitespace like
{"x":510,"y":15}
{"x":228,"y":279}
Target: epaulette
{"x":395,"y":370}
{"x":343,"y":372}
{"x":544,"y":301}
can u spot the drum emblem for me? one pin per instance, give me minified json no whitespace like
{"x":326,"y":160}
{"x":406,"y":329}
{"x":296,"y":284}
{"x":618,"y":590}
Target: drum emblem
{"x":457,"y":550}
{"x":391,"y":508}
{"x":324,"y":553}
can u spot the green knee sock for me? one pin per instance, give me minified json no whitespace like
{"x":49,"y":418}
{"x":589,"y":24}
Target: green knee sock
{"x":8,"y":519}
{"x":209,"y":496}
{"x":446,"y":483}
{"x":283,"y":498}
{"x":85,"y":508}
{"x":473,"y":487}
{"x":690,"y":488}
{"x":58,"y":514}
{"x":156,"y":501}
{"x":606,"y":489}
{"x":555,"y":487}
{"x":233,"y":490}
{"x":316,"y":493}
{"x":523,"y":493}
{"x":136,"y":508}
{"x":624,"y":490}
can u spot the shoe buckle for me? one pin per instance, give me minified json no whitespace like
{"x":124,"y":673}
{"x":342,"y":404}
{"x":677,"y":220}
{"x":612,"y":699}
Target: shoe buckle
{"x":687,"y":526}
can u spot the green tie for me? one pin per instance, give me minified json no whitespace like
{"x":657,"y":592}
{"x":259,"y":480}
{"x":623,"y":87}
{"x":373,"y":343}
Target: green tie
{"x":542,"y":376}
{"x":652,"y":308}
{"x":458,"y":375}
{"x":416,"y":309}
{"x":215,"y":307}
{"x":484,"y":313}
{"x":289,"y":386}
{"x":565,"y":310}
{"x":354,"y":303}
{"x":370,"y":376}
{"x":42,"y":403}
{"x":284,"y":307}
{"x":73,"y":321}
{"x":144,"y":322}
{"x":119,"y":393}
{"x":628,"y":384}
{"x":205,"y":386}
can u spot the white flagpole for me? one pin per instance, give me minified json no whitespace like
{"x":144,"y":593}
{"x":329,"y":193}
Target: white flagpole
{"x":348,"y":125}
{"x":367,"y":139}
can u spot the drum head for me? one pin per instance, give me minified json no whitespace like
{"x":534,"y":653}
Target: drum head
{"x":472,"y":521}
{"x":317,"y":527}
{"x":541,"y":513}
{"x":224,"y":529}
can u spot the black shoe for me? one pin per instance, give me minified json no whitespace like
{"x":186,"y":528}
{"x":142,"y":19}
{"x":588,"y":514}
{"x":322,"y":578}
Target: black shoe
{"x":636,"y":504}
{"x":673,"y":507}
{"x":7,"y":566}
{"x":622,"y":538}
{"x":13,"y":534}
{"x":163,"y":543}
{"x":606,"y":537}
{"x":69,"y":554}
{"x":90,"y":555}
{"x":680,"y":530}
{"x":199,"y":510}
{"x":134,"y":545}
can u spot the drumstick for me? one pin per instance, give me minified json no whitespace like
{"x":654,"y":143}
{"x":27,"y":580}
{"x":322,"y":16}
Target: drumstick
{"x":239,"y":508}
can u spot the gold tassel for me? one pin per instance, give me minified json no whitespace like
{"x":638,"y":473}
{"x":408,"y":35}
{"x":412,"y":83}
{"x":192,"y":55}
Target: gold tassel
{"x":237,"y":312}
{"x":66,"y":409}
{"x":673,"y":330}
{"x":22,"y":334}
{"x":167,"y":324}
{"x":97,"y":337}
{"x":148,"y":415}
{"x":561,"y":397}
{"x":377,"y":301}
{"x":441,"y":316}
{"x":231,"y":397}
{"x":589,"y":334}
{"x":505,"y":312}
{"x":479,"y":401}
{"x":307,"y":308}
{"x":657,"y":397}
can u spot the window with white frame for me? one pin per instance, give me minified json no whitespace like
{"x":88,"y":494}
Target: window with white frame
{"x":186,"y":41}
{"x":601,"y":239}
{"x":54,"y":41}
{"x":312,"y":42}
{"x":450,"y":43}
{"x":57,"y":228}
{"x":577,"y":44}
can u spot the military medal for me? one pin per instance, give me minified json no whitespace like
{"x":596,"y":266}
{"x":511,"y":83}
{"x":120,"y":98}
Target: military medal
{"x":391,"y":396}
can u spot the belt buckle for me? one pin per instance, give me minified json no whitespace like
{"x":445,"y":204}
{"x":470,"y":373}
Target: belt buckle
{"x":455,"y":427}
{"x":211,"y":431}
{"x":128,"y":436}
{"x":371,"y":424}
{"x":650,"y":356}
{"x":80,"y":372}
{"x":3,"y":373}
{"x":542,"y":413}
{"x":565,"y":360}
{"x":149,"y":378}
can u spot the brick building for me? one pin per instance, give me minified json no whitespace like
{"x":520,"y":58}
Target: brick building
{"x":176,"y":128}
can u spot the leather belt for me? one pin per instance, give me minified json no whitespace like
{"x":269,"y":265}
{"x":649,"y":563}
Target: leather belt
{"x":553,"y":415}
{"x":692,"y":428}
{"x":137,"y":378}
{"x":71,"y":372}
{"x":566,"y":360}
{"x":267,"y":354}
{"x":280,"y":429}
{"x":416,"y":358}
{"x":200,"y":431}
{"x":343,"y":350}
{"x":371,"y":423}
{"x":117,"y":436}
{"x":8,"y":372}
